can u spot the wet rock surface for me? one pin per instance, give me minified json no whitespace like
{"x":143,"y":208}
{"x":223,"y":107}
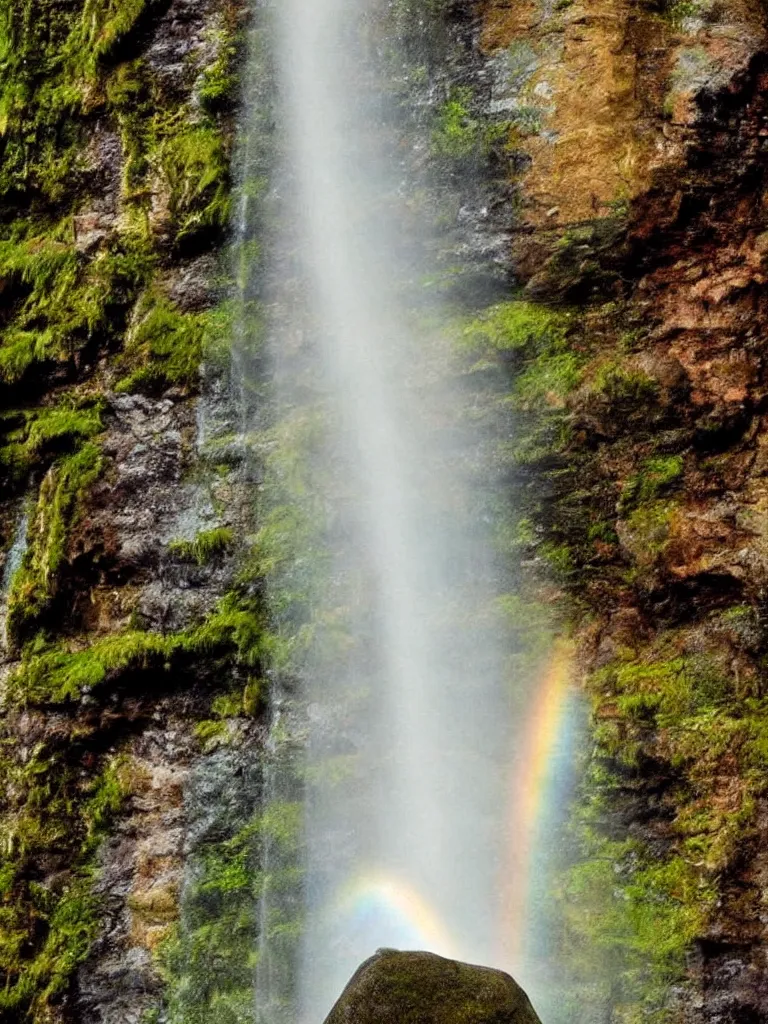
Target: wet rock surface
{"x":642,"y":199}
{"x":182,"y":803}
{"x":420,"y":988}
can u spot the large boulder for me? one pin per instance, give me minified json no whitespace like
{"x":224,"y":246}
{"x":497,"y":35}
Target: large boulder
{"x":421,"y":988}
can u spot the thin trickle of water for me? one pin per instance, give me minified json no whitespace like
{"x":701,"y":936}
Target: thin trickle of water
{"x":13,"y":560}
{"x":280,"y":900}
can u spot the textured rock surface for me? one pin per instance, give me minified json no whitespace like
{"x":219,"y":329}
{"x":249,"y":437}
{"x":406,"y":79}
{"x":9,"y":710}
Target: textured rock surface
{"x":643,"y":201}
{"x":421,"y":988}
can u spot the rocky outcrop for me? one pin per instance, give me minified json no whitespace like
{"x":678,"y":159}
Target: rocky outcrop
{"x":421,"y":988}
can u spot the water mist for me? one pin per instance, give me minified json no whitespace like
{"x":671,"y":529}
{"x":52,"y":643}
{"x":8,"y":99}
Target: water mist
{"x":406,"y":709}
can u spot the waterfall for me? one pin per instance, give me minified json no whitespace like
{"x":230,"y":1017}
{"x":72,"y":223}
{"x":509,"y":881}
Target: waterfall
{"x":401,"y":696}
{"x":402,"y":851}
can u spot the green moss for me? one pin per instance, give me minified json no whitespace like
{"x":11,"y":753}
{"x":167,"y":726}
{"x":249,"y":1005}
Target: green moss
{"x":457,"y":132}
{"x":517,"y":326}
{"x":548,"y":379}
{"x":655,"y":477}
{"x":219,"y":79}
{"x":678,"y":11}
{"x":104,"y":24}
{"x":196,"y":164}
{"x":711,"y":835}
{"x":166,"y":346}
{"x":461,"y":135}
{"x":65,"y":299}
{"x":529,"y":347}
{"x":209,"y":960}
{"x":211,"y":733}
{"x":241,"y":702}
{"x":51,"y":673}
{"x":205,"y":547}
{"x":647,"y":692}
{"x":602,"y":531}
{"x":34,"y":435}
{"x":629,"y":926}
{"x":59,"y":505}
{"x":66,"y":422}
{"x":48,"y":930}
{"x":55,"y":62}
{"x":539,"y":441}
{"x":622,"y":385}
{"x":650,"y":527}
{"x":558,"y":557}
{"x":54,"y":675}
{"x":54,"y":53}
{"x":630,"y":914}
{"x":677,"y":698}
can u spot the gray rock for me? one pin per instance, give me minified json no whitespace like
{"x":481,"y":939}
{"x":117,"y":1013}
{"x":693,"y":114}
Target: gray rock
{"x":421,"y":988}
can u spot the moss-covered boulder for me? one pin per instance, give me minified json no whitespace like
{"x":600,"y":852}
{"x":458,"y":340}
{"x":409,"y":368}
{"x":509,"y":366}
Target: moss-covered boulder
{"x":421,"y":988}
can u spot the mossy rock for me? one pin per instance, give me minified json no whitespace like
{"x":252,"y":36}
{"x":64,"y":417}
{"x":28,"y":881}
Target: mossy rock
{"x":421,"y":988}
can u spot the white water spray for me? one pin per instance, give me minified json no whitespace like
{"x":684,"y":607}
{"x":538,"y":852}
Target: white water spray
{"x":402,"y":851}
{"x":407,"y":707}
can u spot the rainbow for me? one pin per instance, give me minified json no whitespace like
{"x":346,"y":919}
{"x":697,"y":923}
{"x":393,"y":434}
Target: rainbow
{"x":392,"y":910}
{"x":378,"y":908}
{"x":532,"y":793}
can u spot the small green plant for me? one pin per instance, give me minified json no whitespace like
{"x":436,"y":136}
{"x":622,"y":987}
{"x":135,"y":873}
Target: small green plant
{"x":219,"y":79}
{"x":650,"y":526}
{"x":460,"y":135}
{"x":165,"y":346}
{"x":623,"y":385}
{"x":456,"y":135}
{"x":547,"y":380}
{"x":58,"y":508}
{"x":655,"y":477}
{"x":558,"y":557}
{"x":602,"y":531}
{"x":211,"y":733}
{"x":195,"y":164}
{"x":678,"y":11}
{"x":205,"y":547}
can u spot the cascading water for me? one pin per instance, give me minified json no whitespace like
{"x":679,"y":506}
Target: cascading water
{"x":402,"y":852}
{"x":402,"y":699}
{"x":13,"y":560}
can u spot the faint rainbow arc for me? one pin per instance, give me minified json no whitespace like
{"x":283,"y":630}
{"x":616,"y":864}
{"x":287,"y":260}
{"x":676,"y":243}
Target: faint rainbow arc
{"x":378,"y":891}
{"x":529,"y":791}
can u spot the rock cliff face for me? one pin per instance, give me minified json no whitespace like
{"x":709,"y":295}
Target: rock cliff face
{"x":116,"y":141}
{"x":602,"y":164}
{"x":642,"y":207}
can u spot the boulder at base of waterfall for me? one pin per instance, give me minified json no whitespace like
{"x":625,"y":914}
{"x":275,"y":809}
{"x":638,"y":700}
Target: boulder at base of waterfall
{"x":421,"y":988}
